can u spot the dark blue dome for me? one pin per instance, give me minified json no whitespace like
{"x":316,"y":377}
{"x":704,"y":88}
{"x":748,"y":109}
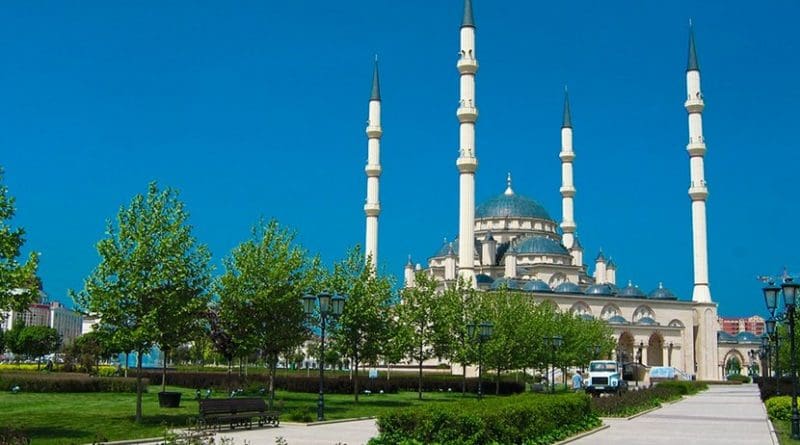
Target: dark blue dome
{"x":567,"y":288}
{"x":540,"y":244}
{"x":445,"y":249}
{"x":587,"y":317}
{"x":662,"y":293}
{"x":482,"y":278}
{"x":514,"y":284}
{"x":600,"y":289}
{"x":617,"y":319}
{"x":748,"y":337}
{"x":536,"y":286}
{"x":647,"y":321}
{"x":631,"y":291}
{"x":724,"y":337}
{"x":499,"y":284}
{"x":511,"y":205}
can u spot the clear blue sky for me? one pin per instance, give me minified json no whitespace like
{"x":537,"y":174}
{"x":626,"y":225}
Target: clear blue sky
{"x":258,"y":108}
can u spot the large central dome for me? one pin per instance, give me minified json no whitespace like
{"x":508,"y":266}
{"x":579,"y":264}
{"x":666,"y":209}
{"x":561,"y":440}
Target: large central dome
{"x":511,"y":205}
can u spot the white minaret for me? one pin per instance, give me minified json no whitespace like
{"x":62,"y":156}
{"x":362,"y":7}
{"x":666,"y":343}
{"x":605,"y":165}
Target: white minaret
{"x":568,"y":225}
{"x":373,"y":206}
{"x":467,"y":161}
{"x":600,"y":268}
{"x":697,"y":190}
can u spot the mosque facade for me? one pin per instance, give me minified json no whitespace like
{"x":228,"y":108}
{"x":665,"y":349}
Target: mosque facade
{"x":511,"y":241}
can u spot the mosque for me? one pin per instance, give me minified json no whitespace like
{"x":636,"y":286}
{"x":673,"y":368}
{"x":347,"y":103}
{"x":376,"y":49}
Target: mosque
{"x":512,"y":241}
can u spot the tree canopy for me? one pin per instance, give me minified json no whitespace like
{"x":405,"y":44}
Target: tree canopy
{"x":19,"y":284}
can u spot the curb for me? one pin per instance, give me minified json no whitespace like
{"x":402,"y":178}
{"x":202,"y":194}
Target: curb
{"x":583,"y":434}
{"x":330,"y":422}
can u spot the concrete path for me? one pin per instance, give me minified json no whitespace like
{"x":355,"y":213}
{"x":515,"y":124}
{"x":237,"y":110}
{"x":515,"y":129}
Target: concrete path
{"x":729,"y":415}
{"x":349,"y":433}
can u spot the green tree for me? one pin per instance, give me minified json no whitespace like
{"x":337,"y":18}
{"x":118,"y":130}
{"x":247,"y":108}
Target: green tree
{"x":87,"y":350}
{"x":459,"y":306}
{"x":420,"y":324}
{"x":13,"y":340}
{"x":362,"y":330}
{"x":18,"y":281}
{"x":264,"y":279}
{"x":37,"y":341}
{"x":148,"y":261}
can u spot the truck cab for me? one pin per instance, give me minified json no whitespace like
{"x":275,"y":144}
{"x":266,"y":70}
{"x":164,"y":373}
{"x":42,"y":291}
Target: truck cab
{"x":605,"y":377}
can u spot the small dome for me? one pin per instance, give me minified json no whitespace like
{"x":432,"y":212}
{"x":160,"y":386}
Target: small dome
{"x":600,"y":289}
{"x":568,"y":288}
{"x":511,"y":205}
{"x":586,"y":317}
{"x":647,"y":321}
{"x":662,"y":293}
{"x":482,"y":278}
{"x":540,"y":244}
{"x":617,"y":319}
{"x":747,"y":337}
{"x":514,"y":284}
{"x":499,"y":283}
{"x":724,"y":337}
{"x":536,"y":286}
{"x":448,"y":245}
{"x":631,"y":291}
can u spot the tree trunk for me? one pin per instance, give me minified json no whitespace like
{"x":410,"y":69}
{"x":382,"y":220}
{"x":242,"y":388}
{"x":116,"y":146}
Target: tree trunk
{"x":420,"y":371}
{"x":272,"y":368}
{"x":355,"y":370}
{"x":230,"y":369}
{"x":139,"y":386}
{"x":463,"y":379}
{"x":164,"y":371}
{"x":38,"y":363}
{"x":126,"y":363}
{"x":497,"y":383}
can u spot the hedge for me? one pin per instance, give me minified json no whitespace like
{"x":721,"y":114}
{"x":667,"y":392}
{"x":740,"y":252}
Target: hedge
{"x":66,"y":382}
{"x":779,"y":408}
{"x":767,"y":386}
{"x":632,"y":402}
{"x":335,"y":384}
{"x":521,"y":419}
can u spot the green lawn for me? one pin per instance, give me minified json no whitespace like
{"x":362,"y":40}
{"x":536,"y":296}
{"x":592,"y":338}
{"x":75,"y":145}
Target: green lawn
{"x":54,"y":418}
{"x":784,"y":430}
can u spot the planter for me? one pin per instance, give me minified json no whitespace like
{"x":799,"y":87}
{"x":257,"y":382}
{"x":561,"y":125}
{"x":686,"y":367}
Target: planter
{"x":169,"y":399}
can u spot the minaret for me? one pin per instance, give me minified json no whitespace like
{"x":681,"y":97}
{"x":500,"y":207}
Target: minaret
{"x":568,"y":225}
{"x":408,"y":274}
{"x":697,"y":189}
{"x":467,"y":161}
{"x":600,"y":268}
{"x":373,"y":206}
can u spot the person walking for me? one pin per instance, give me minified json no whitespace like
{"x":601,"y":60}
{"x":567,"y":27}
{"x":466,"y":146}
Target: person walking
{"x":577,"y":381}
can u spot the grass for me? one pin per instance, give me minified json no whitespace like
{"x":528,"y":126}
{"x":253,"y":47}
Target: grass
{"x":784,"y":430}
{"x":69,"y":418}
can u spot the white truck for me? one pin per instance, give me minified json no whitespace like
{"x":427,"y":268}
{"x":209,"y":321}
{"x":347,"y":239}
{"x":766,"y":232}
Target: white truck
{"x":604,"y":377}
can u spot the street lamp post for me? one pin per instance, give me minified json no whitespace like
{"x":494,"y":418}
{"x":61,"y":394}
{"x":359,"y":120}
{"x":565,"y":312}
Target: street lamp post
{"x":554,"y":342}
{"x":789,"y":288}
{"x":328,"y":306}
{"x":484,"y":331}
{"x":639,"y":361}
{"x":669,"y":355}
{"x":771,"y":300}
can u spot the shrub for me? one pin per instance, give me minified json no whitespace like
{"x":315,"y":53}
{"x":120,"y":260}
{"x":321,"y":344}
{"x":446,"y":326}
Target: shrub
{"x":526,"y":418}
{"x":334,"y":384}
{"x":738,"y":378}
{"x":13,"y":437}
{"x":779,"y":408}
{"x":767,"y":385}
{"x":66,"y":382}
{"x":632,"y":402}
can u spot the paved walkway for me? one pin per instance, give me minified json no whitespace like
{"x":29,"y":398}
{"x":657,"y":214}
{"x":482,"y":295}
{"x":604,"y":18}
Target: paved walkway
{"x":729,"y":415}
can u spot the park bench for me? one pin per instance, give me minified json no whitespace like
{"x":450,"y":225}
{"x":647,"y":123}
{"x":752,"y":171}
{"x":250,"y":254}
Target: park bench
{"x":235,"y":412}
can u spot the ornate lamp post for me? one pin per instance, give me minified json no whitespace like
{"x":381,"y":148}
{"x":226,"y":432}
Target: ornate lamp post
{"x":328,"y":306}
{"x":484,"y":332}
{"x":639,"y":361}
{"x":554,"y":342}
{"x":669,"y":355}
{"x":790,"y":288}
{"x":771,"y":300}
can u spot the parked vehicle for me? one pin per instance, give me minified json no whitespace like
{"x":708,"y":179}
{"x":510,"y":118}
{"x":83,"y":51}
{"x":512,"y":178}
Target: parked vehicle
{"x":605,"y":377}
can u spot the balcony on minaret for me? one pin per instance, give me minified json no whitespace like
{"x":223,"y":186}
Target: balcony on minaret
{"x":694,"y":103}
{"x":696,"y":146}
{"x":698,"y":190}
{"x":568,"y":226}
{"x":567,"y":191}
{"x":372,"y":209}
{"x":373,"y":170}
{"x":374,"y":131}
{"x":467,"y":112}
{"x":467,"y":64}
{"x":567,"y":156}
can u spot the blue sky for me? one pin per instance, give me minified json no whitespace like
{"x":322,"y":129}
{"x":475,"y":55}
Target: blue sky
{"x":258,"y":108}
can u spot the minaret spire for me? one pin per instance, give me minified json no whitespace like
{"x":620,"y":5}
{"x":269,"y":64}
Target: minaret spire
{"x":698,"y":191}
{"x":567,"y":190}
{"x":373,"y":169}
{"x":467,"y":162}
